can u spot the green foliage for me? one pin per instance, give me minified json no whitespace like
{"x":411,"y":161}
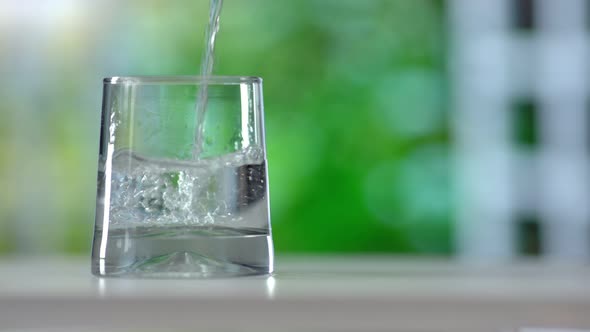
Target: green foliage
{"x":356,"y":120}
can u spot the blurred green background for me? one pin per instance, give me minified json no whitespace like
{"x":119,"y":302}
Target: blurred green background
{"x":356,"y":113}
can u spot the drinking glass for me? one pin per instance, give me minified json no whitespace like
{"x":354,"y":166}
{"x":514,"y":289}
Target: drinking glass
{"x":177,"y":199}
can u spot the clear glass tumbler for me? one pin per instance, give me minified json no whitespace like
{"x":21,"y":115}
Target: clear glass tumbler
{"x":177,"y":199}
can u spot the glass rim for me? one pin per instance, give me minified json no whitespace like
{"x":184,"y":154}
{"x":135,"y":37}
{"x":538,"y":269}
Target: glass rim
{"x":182,"y":79}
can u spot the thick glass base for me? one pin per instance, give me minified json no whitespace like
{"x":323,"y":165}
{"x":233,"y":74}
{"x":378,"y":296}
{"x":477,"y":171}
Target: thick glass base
{"x":211,"y":252}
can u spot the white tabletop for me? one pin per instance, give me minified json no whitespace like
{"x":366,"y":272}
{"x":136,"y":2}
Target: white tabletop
{"x":313,"y":294}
